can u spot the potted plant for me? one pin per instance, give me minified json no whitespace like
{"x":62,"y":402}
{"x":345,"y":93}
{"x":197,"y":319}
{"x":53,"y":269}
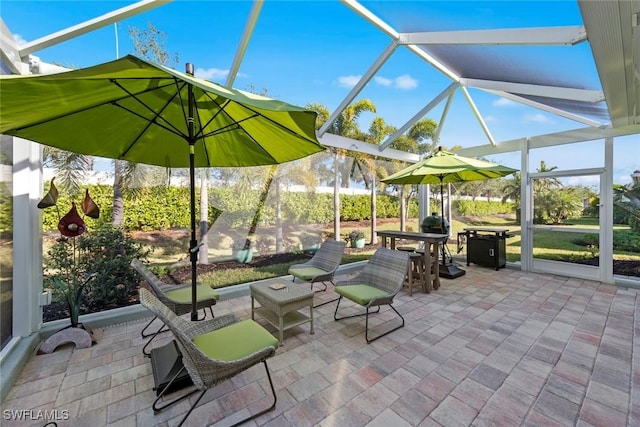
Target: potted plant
{"x":241,"y":250}
{"x":356,"y":238}
{"x":310,"y":242}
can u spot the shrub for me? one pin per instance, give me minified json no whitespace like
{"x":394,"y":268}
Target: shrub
{"x":106,"y":252}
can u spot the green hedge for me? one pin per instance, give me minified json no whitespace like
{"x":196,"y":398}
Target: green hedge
{"x":482,"y":207}
{"x":160,"y":208}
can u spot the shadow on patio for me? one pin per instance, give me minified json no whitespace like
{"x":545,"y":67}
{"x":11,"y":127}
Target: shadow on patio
{"x":491,"y":348}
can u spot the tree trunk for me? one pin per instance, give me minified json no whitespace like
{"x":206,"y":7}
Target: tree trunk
{"x":374,"y":211}
{"x":117,"y":218}
{"x":403,"y":209}
{"x":279,"y":233}
{"x":336,"y":197}
{"x":263,"y":198}
{"x":203,"y":252}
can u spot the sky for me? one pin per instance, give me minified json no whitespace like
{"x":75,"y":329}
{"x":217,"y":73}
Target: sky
{"x":315,"y":51}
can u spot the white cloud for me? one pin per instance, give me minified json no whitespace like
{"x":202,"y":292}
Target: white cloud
{"x":348,"y":81}
{"x":537,"y":118}
{"x":19,"y":40}
{"x":383,"y":81}
{"x":406,"y":82}
{"x":493,"y":119}
{"x":587,"y":181}
{"x":214,"y":74}
{"x":504,"y":102}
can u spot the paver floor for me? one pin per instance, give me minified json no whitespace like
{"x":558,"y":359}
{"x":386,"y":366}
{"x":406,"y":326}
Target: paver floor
{"x":491,"y":348}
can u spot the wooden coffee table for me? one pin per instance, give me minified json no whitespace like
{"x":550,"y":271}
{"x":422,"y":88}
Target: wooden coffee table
{"x":280,"y":306}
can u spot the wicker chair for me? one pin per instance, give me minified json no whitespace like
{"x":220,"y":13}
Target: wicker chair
{"x":377,"y":284}
{"x":177,"y":298}
{"x":213,"y":351}
{"x":322,"y":266}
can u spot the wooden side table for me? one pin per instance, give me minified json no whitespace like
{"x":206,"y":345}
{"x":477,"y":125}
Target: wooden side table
{"x":280,"y":306}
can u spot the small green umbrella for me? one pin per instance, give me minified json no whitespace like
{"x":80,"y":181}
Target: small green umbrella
{"x":445,"y":167}
{"x":135,"y":110}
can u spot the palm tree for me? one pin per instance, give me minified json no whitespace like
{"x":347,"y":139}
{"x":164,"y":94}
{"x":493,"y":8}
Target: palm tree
{"x":512,"y":191}
{"x":627,"y":199}
{"x":346,"y":125}
{"x":148,"y":44}
{"x":378,"y":130}
{"x":70,"y":167}
{"x":420,"y":139}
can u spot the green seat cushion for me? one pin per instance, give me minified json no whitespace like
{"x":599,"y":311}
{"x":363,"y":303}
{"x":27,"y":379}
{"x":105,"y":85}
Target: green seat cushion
{"x":235,"y":341}
{"x":183,"y":295}
{"x":306,"y":273}
{"x":360,"y":294}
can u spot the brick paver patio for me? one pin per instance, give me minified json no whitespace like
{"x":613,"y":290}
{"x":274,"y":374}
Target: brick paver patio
{"x":491,"y":348}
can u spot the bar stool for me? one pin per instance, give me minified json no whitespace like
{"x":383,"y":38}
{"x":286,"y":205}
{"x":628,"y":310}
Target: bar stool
{"x":416,"y":266}
{"x":412,"y":265}
{"x":435,"y":259}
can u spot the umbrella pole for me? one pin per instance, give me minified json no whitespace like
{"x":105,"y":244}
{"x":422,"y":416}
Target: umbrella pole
{"x":442,"y":222}
{"x":193,"y":243}
{"x":448,"y":270}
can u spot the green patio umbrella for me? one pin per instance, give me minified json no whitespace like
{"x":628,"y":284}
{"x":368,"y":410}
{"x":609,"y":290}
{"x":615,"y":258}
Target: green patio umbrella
{"x":135,"y":110}
{"x":446,"y":167}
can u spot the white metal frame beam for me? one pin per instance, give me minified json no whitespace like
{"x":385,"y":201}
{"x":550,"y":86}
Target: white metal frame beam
{"x":445,"y":93}
{"x":344,"y":143}
{"x":554,"y":36}
{"x":582,"y":95}
{"x":476,"y":113}
{"x":359,"y":86}
{"x":547,"y":108}
{"x":551,"y":139}
{"x":90,"y":25}
{"x":244,"y":42}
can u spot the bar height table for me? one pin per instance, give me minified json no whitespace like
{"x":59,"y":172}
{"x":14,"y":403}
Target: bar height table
{"x":429,"y":240}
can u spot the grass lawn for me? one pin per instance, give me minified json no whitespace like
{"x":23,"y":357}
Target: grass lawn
{"x":548,"y":244}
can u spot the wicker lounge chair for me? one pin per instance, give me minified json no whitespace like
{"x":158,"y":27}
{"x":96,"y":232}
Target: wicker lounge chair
{"x":376,"y":285}
{"x":177,"y":298}
{"x":322,"y":266}
{"x":213,"y":351}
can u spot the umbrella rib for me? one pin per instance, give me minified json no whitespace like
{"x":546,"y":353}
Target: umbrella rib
{"x":157,"y":114}
{"x":257,"y":113}
{"x":221,"y":108}
{"x":84,"y":109}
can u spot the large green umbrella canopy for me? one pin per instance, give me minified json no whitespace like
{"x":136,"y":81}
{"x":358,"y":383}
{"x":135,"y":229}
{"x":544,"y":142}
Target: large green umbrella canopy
{"x":135,"y":110}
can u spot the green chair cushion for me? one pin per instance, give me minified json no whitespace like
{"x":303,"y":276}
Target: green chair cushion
{"x":306,"y":273}
{"x":183,"y":295}
{"x":235,"y":341}
{"x":360,"y":294}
